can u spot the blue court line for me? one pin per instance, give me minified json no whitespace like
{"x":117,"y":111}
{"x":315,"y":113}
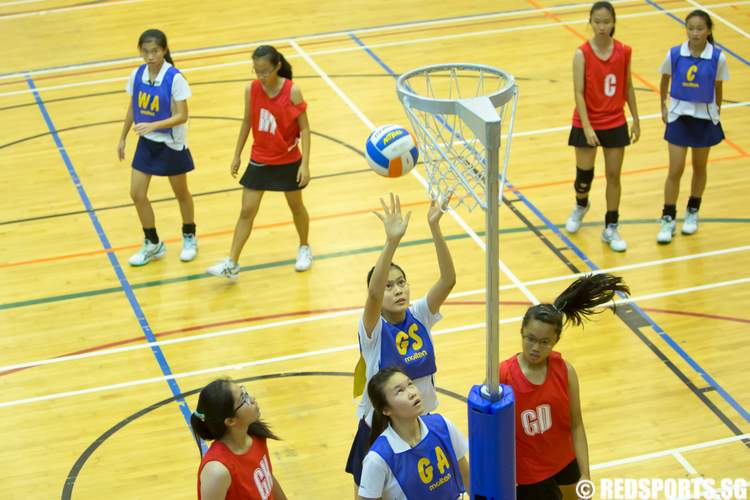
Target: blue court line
{"x":721,"y":46}
{"x":552,"y":227}
{"x":140,"y":316}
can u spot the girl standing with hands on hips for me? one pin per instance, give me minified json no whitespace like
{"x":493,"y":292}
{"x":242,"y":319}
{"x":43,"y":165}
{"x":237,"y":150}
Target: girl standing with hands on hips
{"x":551,"y":449}
{"x":602,"y":85}
{"x":237,"y":466}
{"x":276,"y":112}
{"x":158,"y":108}
{"x":697,"y":70}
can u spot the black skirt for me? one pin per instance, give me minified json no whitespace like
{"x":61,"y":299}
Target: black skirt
{"x":617,"y":137}
{"x":272,"y":177}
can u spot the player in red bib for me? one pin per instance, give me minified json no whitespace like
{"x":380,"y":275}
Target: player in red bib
{"x":276,"y":113}
{"x":602,"y":83}
{"x":551,"y":449}
{"x":237,"y":466}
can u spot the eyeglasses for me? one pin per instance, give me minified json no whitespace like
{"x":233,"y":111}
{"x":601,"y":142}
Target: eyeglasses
{"x":543,"y":343}
{"x":244,"y":398}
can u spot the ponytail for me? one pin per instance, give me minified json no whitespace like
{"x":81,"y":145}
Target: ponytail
{"x":159,"y":38}
{"x":376,"y":393}
{"x":275,"y":58}
{"x":578,"y":301}
{"x":215,"y":404}
{"x":707,"y":19}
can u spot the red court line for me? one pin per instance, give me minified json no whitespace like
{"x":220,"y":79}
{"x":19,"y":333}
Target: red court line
{"x":202,"y":236}
{"x":166,"y":333}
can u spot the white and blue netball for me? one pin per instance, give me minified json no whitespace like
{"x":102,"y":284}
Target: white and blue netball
{"x":391,"y":151}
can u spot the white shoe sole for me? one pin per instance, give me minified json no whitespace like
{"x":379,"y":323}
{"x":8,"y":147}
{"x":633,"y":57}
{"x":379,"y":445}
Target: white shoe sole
{"x":156,"y":256}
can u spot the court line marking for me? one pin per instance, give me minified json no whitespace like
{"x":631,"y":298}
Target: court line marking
{"x":319,"y":36}
{"x":355,"y":109}
{"x":64,"y":9}
{"x":112,"y":258}
{"x":665,"y":453}
{"x":318,"y":317}
{"x":683,"y":461}
{"x":340,"y":50}
{"x":714,"y":15}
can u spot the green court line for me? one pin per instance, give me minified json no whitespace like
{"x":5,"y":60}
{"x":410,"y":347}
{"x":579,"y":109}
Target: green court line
{"x":326,"y":256}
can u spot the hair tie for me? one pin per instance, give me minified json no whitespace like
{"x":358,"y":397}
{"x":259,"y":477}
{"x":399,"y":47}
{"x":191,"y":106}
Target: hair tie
{"x":200,"y":415}
{"x":560,"y":309}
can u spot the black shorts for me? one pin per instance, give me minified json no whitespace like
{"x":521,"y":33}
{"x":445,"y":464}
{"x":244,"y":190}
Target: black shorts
{"x":271,"y":177}
{"x":360,"y":447}
{"x":617,"y":137}
{"x":549,"y":489}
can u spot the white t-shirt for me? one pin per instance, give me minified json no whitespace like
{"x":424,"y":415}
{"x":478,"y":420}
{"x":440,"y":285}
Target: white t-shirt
{"x":371,"y":354}
{"x":180,"y":91}
{"x":705,"y":111}
{"x":378,"y":480}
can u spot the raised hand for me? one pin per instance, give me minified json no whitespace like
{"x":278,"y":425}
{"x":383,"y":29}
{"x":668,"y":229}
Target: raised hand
{"x":438,"y":206}
{"x":393,"y":222}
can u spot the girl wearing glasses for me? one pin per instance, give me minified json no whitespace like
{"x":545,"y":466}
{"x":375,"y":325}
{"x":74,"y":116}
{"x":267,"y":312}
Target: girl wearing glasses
{"x":276,"y":113}
{"x":237,"y":466}
{"x":551,"y":449}
{"x":393,"y":331}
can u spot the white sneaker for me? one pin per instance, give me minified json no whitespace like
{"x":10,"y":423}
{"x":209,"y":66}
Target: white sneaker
{"x":690,"y":226}
{"x":576,"y":217}
{"x":666,"y":230}
{"x":226,"y":268}
{"x":612,"y":236}
{"x":304,"y":258}
{"x":148,"y":252}
{"x":189,"y":247}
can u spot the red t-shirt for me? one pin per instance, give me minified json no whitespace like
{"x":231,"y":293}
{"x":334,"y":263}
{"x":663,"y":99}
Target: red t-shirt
{"x":544,"y":441}
{"x":275,"y":128}
{"x":605,"y":87}
{"x":250,"y":472}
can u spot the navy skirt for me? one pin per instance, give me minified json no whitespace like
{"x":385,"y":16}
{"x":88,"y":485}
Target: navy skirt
{"x":693,"y":132}
{"x":360,"y":447}
{"x":156,"y":158}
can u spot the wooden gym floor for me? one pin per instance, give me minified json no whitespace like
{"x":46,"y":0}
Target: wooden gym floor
{"x":101,"y":362}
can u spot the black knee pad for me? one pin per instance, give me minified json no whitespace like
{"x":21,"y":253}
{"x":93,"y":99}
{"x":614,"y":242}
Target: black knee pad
{"x":582,"y":184}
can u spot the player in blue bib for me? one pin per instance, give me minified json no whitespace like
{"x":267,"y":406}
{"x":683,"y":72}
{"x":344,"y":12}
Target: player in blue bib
{"x":394,"y":331}
{"x":412,"y":456}
{"x":697,"y":69}
{"x":157,"y":111}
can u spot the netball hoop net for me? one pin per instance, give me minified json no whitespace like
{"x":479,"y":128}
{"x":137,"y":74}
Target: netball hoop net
{"x":457,"y":112}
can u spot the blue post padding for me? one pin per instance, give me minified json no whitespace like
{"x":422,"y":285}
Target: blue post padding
{"x":492,"y":445}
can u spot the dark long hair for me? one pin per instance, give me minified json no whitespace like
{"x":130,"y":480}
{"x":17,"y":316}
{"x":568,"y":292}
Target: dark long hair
{"x":578,"y":302}
{"x":393,"y":265}
{"x":609,"y":7}
{"x":159,"y":38}
{"x":709,"y":23}
{"x":215,"y":404}
{"x":376,"y":393}
{"x":274,"y":57}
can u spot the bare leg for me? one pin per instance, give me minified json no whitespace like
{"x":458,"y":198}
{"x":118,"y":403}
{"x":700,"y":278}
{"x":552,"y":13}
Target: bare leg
{"x":613,"y":166}
{"x":184,"y":198}
{"x":677,"y":155}
{"x":700,"y":171}
{"x":139,"y":183}
{"x":250,"y":204}
{"x":299,"y":214}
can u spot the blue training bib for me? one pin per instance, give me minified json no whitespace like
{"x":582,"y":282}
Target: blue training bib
{"x":153,"y":103}
{"x":430,"y":469}
{"x":408,"y":346}
{"x":693,"y":78}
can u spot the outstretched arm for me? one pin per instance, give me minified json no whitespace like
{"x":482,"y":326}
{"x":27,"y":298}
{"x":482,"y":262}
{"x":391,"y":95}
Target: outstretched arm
{"x":395,"y":227}
{"x":447,"y":280}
